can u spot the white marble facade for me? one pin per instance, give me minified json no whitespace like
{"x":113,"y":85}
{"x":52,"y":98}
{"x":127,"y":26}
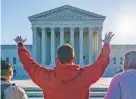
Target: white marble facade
{"x":9,"y":52}
{"x":66,"y":24}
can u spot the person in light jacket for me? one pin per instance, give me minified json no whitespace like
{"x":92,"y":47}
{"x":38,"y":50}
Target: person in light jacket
{"x":9,"y":90}
{"x":123,"y":85}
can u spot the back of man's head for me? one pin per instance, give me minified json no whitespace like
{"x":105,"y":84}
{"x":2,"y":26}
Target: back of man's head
{"x":65,"y":53}
{"x":6,"y":69}
{"x":130,"y":60}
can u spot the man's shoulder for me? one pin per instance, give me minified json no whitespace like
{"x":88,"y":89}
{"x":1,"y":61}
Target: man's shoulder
{"x":121,"y":76}
{"x":16,"y":91}
{"x":117,"y":77}
{"x":14,"y":88}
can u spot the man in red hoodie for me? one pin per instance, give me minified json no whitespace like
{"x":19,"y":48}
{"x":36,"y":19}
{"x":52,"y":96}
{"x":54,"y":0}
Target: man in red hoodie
{"x":67,"y":80}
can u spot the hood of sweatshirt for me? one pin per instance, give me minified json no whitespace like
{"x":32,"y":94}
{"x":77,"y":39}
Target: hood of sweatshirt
{"x":66,"y":72}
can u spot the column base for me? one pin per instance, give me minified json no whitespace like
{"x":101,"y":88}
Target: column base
{"x":43,"y":64}
{"x":81,"y":64}
{"x":51,"y":65}
{"x":90,"y":62}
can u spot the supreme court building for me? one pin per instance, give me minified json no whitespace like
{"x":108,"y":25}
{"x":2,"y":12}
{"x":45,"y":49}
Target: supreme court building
{"x":66,"y":24}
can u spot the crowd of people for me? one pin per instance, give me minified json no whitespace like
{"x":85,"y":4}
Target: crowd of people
{"x":68,"y":80}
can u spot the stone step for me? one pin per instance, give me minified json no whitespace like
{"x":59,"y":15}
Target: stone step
{"x":40,"y":94}
{"x":91,"y":89}
{"x":98,"y":89}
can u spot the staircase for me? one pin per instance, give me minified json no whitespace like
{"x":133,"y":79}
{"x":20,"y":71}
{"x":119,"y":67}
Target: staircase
{"x":37,"y":92}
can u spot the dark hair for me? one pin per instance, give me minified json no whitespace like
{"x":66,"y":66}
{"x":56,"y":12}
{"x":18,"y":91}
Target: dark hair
{"x":130,"y":59}
{"x":65,"y":53}
{"x":6,"y":67}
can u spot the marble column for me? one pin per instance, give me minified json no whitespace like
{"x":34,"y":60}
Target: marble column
{"x":99,"y":31}
{"x":90,"y":44}
{"x":72,"y":36}
{"x":34,"y":48}
{"x":43,"y":45}
{"x":52,"y":46}
{"x":38,"y":46}
{"x":81,"y":30}
{"x":96,"y":46}
{"x":61,"y":35}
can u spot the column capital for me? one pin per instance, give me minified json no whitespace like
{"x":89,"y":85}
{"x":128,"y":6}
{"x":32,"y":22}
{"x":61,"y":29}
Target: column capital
{"x":72,"y":27}
{"x":81,"y":28}
{"x":97,"y":28}
{"x":90,"y":29}
{"x":34,"y":28}
{"x":100,"y":28}
{"x":61,"y":28}
{"x":43,"y":28}
{"x":52,"y":28}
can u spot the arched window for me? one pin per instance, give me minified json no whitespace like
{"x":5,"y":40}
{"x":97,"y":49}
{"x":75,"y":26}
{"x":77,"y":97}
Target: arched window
{"x":14,"y":60}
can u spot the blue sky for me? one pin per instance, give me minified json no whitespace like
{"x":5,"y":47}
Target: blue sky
{"x":121,"y":17}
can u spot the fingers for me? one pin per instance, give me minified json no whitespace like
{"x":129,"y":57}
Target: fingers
{"x":102,"y":40}
{"x":109,"y":34}
{"x":108,"y":37}
{"x":105,"y":35}
{"x":15,"y":40}
{"x":112,"y":35}
{"x":17,"y":36}
{"x":19,"y":39}
{"x":24,"y":40}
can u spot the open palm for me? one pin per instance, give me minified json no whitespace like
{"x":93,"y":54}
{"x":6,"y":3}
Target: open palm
{"x":108,"y":37}
{"x":19,"y":39}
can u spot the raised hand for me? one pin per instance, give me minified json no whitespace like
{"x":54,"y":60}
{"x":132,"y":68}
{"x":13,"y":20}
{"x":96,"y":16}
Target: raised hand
{"x":108,"y":37}
{"x":19,"y":39}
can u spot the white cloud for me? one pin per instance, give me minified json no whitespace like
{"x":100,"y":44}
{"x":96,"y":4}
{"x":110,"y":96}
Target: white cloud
{"x":123,"y":23}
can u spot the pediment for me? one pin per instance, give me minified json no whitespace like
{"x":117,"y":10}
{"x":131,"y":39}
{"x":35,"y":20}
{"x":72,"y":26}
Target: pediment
{"x":66,"y":12}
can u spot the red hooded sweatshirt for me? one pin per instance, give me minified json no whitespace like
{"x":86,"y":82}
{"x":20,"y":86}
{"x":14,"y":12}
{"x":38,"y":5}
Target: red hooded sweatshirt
{"x":65,"y":81}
